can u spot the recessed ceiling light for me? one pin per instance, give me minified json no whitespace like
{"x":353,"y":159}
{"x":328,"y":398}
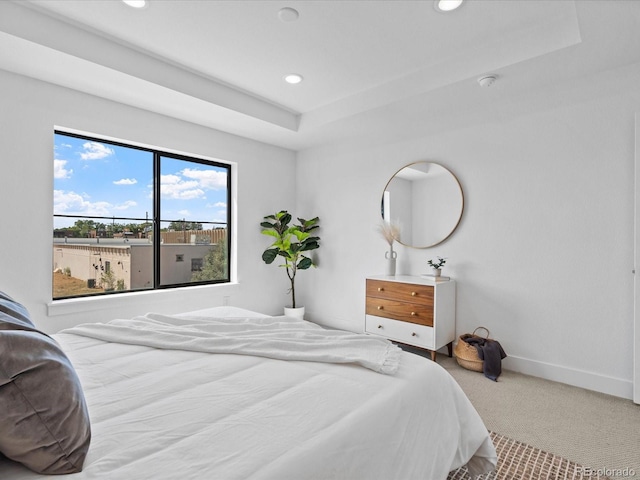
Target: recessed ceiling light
{"x":288,"y":14}
{"x":293,"y":78}
{"x":136,"y":3}
{"x":447,"y":5}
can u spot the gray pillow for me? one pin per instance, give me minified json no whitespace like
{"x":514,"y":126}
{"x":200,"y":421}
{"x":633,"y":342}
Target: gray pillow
{"x":13,"y":316}
{"x":45,"y":422}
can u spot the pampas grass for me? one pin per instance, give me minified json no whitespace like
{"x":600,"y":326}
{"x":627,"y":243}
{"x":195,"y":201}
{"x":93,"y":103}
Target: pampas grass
{"x":389,"y":232}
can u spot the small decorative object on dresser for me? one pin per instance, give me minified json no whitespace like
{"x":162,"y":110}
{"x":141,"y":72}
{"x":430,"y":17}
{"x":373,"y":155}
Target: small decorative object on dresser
{"x":390,"y":233}
{"x":436,"y":266}
{"x":412,"y":310}
{"x":290,"y":241}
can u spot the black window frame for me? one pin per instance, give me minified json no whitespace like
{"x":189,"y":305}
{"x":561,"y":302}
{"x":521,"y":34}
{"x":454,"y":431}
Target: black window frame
{"x":155,"y":219}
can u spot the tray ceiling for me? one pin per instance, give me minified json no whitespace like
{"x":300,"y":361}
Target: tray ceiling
{"x":222,"y":63}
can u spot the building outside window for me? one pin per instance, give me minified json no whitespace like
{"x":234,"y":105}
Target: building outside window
{"x":129,"y":218}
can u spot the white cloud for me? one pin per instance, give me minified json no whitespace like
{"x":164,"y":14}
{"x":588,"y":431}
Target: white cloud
{"x":95,"y":151}
{"x":190,"y":184}
{"x":170,"y":179}
{"x":207,"y":179}
{"x":172,"y":186}
{"x":72,"y":203}
{"x":59,"y":170}
{"x":126,"y":181}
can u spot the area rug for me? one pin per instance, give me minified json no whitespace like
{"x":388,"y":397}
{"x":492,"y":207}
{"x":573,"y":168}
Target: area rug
{"x":519,"y":461}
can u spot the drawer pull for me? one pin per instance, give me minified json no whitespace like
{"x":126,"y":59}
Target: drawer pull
{"x":413,"y":314}
{"x":379,"y":326}
{"x":413,"y":294}
{"x":414,"y":334}
{"x":380,"y":289}
{"x":380,"y":307}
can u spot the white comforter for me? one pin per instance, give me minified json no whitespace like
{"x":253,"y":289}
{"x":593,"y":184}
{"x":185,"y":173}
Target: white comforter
{"x":179,"y":414}
{"x":283,"y":338}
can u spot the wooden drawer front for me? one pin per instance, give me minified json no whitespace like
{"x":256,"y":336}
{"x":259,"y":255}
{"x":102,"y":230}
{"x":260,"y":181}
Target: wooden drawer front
{"x":407,"y":312}
{"x":409,"y":333}
{"x":407,"y":292}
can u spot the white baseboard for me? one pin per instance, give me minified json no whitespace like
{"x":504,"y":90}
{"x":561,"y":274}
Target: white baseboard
{"x":578,"y":378}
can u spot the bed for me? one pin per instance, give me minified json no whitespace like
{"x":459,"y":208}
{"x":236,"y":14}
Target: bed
{"x":167,"y":405}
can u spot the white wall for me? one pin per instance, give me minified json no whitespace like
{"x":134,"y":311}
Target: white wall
{"x":30,"y":109}
{"x":543,"y":255}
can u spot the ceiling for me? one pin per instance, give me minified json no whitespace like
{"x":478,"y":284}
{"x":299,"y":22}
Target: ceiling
{"x":370,"y":68}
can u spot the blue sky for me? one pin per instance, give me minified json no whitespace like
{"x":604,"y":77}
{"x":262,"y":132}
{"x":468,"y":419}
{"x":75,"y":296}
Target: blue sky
{"x":100,"y":179}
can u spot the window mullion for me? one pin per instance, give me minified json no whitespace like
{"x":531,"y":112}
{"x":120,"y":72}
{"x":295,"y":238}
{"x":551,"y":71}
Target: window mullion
{"x":156,"y":219}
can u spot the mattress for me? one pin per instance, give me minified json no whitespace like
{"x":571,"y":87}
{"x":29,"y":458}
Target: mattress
{"x":162,"y":413}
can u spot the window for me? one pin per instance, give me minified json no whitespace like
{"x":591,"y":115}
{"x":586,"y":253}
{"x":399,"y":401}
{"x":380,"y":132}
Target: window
{"x":130,"y":218}
{"x":196,"y":264}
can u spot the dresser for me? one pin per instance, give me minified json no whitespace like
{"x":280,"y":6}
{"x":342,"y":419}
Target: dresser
{"x":412,"y":310}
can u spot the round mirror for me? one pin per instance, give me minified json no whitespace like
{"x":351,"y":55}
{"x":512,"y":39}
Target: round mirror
{"x":424,"y":201}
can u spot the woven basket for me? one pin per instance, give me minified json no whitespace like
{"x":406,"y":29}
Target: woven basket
{"x":467,"y":355}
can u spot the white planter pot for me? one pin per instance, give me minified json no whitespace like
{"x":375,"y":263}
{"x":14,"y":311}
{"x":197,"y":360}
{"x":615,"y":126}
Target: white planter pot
{"x":297,"y":312}
{"x":436,"y":272}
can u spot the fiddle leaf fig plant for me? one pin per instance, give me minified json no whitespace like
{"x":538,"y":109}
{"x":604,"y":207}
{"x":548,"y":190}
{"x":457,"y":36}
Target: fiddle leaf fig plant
{"x":290,"y":242}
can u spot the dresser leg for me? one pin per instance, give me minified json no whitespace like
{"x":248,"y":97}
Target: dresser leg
{"x":433,"y":355}
{"x":450,"y":349}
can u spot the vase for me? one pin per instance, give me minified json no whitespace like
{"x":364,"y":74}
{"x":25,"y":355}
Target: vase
{"x":297,"y":312}
{"x":436,"y":272}
{"x":391,"y":262}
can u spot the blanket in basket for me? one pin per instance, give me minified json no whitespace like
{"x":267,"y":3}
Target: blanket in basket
{"x":491,"y":353}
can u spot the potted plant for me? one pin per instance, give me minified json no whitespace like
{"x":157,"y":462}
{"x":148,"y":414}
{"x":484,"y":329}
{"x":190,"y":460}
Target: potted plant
{"x":436,"y":266}
{"x":290,"y":242}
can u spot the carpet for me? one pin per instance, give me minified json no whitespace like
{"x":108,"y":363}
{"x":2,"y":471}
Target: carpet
{"x":519,"y":461}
